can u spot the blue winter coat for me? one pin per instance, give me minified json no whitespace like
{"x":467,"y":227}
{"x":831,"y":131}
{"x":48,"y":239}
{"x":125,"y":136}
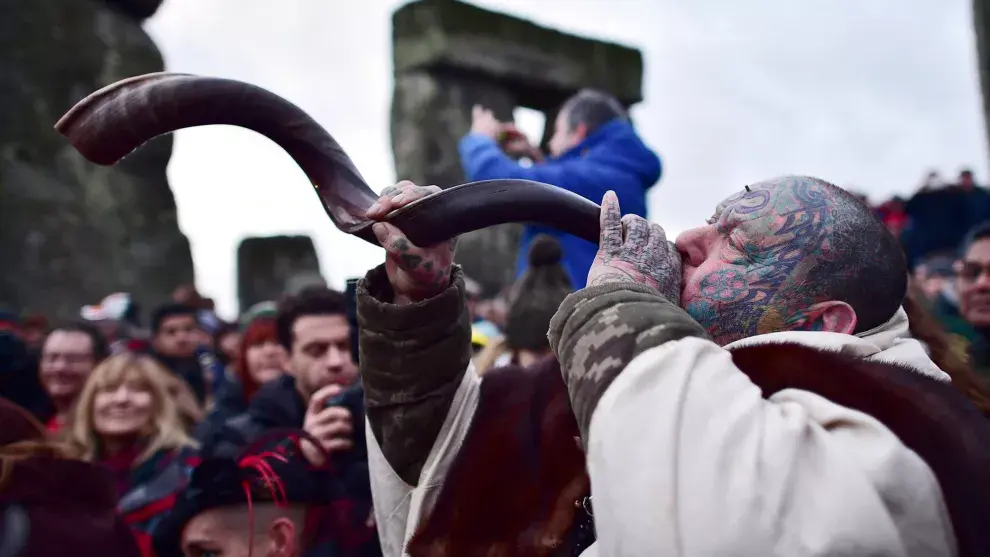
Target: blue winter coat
{"x":611,"y":158}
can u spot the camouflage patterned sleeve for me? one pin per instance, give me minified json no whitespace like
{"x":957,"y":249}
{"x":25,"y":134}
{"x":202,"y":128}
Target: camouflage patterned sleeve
{"x":598,"y":330}
{"x":412,"y":361}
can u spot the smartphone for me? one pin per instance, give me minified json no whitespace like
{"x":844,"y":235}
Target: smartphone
{"x":347,"y":397}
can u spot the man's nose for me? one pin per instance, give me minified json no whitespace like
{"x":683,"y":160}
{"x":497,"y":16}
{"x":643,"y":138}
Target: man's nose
{"x":336,"y":358}
{"x":58,"y":364}
{"x":690,"y":244}
{"x":983,"y":281}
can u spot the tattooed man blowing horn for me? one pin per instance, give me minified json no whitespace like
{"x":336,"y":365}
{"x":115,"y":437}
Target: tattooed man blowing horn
{"x":748,"y":390}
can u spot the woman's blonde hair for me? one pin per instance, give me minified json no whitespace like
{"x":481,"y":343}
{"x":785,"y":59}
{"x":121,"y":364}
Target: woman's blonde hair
{"x":165,"y":431}
{"x":489,"y":355}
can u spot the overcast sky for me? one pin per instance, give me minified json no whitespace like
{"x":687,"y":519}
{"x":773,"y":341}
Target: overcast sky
{"x":868,"y":95}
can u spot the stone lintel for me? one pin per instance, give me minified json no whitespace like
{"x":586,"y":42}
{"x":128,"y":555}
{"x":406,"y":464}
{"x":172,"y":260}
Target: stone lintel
{"x":541,"y":65}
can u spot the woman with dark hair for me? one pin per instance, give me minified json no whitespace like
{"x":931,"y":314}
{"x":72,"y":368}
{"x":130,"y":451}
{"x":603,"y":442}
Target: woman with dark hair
{"x":261,"y":358}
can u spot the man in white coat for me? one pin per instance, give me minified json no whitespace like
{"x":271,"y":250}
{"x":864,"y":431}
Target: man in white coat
{"x":686,"y":455}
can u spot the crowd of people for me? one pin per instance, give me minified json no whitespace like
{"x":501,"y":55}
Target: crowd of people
{"x":802,"y":374}
{"x":944,"y":228}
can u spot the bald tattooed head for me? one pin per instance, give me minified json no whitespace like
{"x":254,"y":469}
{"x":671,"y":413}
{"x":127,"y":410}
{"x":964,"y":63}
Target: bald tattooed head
{"x":793,"y":253}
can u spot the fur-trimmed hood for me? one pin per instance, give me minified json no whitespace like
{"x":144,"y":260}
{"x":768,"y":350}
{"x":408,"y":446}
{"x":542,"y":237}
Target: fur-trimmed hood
{"x":889,"y":343}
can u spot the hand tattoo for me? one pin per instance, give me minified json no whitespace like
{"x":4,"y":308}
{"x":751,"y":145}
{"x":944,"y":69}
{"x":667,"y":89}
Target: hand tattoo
{"x":641,"y":255}
{"x":415,"y":272}
{"x":610,"y":276}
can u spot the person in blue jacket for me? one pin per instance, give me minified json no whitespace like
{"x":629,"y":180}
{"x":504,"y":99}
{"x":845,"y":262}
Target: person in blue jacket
{"x":594,"y":149}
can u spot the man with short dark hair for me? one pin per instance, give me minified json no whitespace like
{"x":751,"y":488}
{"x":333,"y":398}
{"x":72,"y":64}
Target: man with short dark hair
{"x":68,"y":356}
{"x":320,"y":391}
{"x":173,"y":327}
{"x":313,"y":327}
{"x":174,"y":340}
{"x":594,"y":147}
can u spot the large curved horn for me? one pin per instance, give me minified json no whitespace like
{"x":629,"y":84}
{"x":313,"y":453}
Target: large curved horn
{"x":112,"y":122}
{"x":478,"y":205}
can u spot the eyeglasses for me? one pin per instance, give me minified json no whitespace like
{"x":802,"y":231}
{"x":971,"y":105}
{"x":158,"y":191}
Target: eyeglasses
{"x":971,"y":271}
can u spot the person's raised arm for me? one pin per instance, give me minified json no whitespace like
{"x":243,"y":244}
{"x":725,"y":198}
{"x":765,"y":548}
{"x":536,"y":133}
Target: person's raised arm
{"x":482,"y":158}
{"x":414,"y":338}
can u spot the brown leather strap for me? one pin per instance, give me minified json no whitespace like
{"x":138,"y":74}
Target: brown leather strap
{"x":112,"y":122}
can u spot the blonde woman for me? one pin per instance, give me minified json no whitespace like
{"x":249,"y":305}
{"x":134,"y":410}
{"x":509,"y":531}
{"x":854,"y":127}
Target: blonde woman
{"x":126,"y":420}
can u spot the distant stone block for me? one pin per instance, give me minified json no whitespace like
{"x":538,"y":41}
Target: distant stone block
{"x":268,"y":267}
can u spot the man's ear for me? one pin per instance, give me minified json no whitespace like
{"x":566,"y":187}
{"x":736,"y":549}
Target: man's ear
{"x":831,"y":317}
{"x":580,"y":132}
{"x":283,"y":539}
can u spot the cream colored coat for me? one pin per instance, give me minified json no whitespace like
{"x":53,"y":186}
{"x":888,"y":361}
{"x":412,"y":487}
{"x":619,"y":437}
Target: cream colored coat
{"x":687,"y":459}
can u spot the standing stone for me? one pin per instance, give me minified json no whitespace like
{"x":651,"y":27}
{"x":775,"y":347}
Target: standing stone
{"x":981,"y":25}
{"x":72,"y":232}
{"x":272,"y":266}
{"x":449,"y":56}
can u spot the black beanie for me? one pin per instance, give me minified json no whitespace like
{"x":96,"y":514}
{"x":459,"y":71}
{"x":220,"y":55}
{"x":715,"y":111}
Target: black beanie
{"x":537,"y":294}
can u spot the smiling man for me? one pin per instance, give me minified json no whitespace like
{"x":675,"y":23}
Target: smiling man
{"x":68,"y":357}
